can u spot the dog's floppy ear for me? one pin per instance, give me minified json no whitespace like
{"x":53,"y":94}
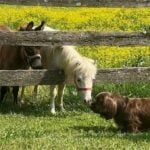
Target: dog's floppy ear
{"x":110,"y":106}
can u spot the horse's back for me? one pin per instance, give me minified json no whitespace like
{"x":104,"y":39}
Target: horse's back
{"x":50,"y":57}
{"x":4,"y":29}
{"x":4,"y":48}
{"x":7,"y":56}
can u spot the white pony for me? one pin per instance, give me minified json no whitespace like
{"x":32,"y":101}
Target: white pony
{"x":81,"y":69}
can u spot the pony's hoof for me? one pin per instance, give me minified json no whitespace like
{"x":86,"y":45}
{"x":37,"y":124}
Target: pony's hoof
{"x":22,"y":101}
{"x":62,"y":109}
{"x":19,"y":104}
{"x":53,"y":111}
{"x":35,"y":96}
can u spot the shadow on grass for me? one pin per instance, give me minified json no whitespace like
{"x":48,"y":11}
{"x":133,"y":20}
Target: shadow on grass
{"x":96,"y":129}
{"x":40,"y":109}
{"x":112,"y":132}
{"x":40,"y":106}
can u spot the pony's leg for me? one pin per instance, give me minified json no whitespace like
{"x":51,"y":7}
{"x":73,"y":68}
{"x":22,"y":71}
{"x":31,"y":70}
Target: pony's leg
{"x":35,"y":91}
{"x":15,"y":94}
{"x":22,"y":94}
{"x":4,"y":90}
{"x":53,"y":93}
{"x":61,"y":89}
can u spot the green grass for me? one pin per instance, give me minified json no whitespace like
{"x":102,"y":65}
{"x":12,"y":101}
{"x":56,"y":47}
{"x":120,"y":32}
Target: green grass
{"x":33,"y":126}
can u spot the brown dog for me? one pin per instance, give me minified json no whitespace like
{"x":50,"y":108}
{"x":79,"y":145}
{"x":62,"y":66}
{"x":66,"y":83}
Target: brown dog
{"x":130,"y":114}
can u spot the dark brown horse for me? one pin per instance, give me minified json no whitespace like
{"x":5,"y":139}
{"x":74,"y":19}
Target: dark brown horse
{"x":19,"y":57}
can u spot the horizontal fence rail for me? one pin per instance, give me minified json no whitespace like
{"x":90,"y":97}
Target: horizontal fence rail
{"x":79,"y":3}
{"x":38,"y":38}
{"x":122,"y":75}
{"x":31,"y":77}
{"x":46,"y":77}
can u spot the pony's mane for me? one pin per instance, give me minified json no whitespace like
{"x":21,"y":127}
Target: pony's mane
{"x":74,"y":62}
{"x":87,"y":66}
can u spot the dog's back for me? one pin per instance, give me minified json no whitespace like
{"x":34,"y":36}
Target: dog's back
{"x":140,"y":108}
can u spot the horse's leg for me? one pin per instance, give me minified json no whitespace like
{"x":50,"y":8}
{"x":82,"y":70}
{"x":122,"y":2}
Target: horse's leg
{"x":53,"y":93}
{"x":15,"y":94}
{"x":4,"y":90}
{"x":35,"y":91}
{"x":61,"y":89}
{"x":22,"y":94}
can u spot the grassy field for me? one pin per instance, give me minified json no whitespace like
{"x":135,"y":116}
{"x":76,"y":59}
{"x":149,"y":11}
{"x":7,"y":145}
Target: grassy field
{"x":33,"y":127}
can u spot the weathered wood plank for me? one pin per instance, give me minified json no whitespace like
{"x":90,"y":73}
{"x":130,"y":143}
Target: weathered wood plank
{"x":30,"y":77}
{"x":75,"y":38}
{"x":79,"y":3}
{"x":122,"y":75}
{"x":46,"y":77}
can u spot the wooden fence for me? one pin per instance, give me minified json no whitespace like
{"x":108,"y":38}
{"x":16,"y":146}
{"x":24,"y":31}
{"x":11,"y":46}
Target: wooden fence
{"x":79,"y":3}
{"x":45,"y":77}
{"x":38,"y":38}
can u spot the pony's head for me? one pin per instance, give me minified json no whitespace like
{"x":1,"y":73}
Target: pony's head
{"x":84,"y":75}
{"x":32,"y":53}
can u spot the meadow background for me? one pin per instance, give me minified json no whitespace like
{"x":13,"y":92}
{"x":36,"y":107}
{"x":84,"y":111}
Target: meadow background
{"x":33,"y":127}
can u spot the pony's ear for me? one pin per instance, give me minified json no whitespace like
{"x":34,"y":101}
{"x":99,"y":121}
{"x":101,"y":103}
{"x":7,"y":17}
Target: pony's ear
{"x":40,"y":27}
{"x":95,"y":62}
{"x":30,"y":26}
{"x":110,"y":106}
{"x":27,"y":27}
